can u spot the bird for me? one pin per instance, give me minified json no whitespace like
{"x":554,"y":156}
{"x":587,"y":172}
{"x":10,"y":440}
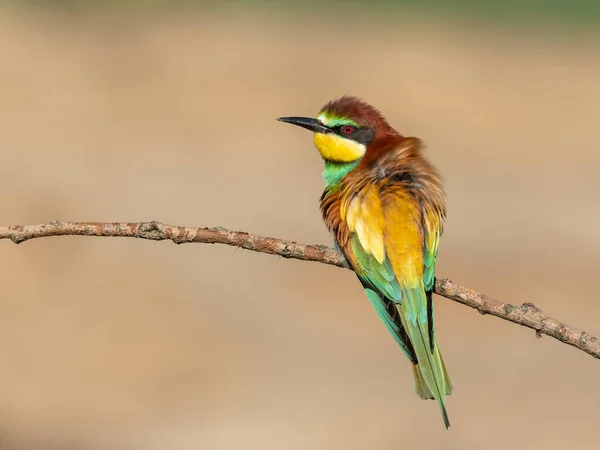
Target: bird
{"x":384,"y":204}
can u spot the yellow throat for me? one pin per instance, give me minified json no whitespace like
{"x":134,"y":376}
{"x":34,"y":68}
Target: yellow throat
{"x":335,"y":148}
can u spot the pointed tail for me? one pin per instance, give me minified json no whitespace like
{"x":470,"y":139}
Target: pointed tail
{"x":431,"y":377}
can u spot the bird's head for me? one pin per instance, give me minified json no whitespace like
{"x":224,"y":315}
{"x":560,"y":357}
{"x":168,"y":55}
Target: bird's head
{"x":345,"y":129}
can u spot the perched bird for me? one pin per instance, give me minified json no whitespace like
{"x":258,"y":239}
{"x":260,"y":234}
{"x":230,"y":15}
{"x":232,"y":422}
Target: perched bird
{"x":384,"y":204}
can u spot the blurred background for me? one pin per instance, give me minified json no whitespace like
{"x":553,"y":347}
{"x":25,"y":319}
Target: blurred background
{"x":156,"y":110}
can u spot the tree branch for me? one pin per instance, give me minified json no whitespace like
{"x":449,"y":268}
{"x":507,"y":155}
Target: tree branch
{"x":526,"y":314}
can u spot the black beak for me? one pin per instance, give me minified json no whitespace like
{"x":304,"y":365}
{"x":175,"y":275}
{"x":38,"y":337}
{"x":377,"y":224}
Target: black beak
{"x":313,"y":125}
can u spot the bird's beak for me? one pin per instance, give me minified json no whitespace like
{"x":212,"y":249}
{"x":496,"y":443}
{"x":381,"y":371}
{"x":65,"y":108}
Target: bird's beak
{"x":314,"y":125}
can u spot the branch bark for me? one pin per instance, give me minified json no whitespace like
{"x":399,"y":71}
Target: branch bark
{"x":526,"y":314}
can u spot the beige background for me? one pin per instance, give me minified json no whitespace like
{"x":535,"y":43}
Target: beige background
{"x":119,"y":344}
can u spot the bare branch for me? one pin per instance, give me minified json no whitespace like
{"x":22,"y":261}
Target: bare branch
{"x":526,"y":314}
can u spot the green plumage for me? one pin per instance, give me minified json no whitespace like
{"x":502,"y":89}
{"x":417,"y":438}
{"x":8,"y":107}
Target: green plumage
{"x":407,"y":313}
{"x":414,"y":317}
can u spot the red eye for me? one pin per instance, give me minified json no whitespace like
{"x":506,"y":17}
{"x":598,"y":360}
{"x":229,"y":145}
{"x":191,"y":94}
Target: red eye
{"x":347,"y":129}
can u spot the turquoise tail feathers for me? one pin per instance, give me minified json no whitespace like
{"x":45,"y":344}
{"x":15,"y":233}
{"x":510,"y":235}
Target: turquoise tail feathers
{"x":410,"y":329}
{"x":431,"y":376}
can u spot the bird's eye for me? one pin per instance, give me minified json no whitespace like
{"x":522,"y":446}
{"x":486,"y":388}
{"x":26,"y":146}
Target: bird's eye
{"x":347,"y":129}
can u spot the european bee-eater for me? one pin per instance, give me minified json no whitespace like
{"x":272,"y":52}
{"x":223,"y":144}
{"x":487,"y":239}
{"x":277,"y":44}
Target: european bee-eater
{"x":385,"y":205}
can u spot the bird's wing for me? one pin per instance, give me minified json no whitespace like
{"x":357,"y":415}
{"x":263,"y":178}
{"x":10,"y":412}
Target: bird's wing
{"x":386,"y":238}
{"x":364,"y":216}
{"x":409,"y":175}
{"x":392,"y":239}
